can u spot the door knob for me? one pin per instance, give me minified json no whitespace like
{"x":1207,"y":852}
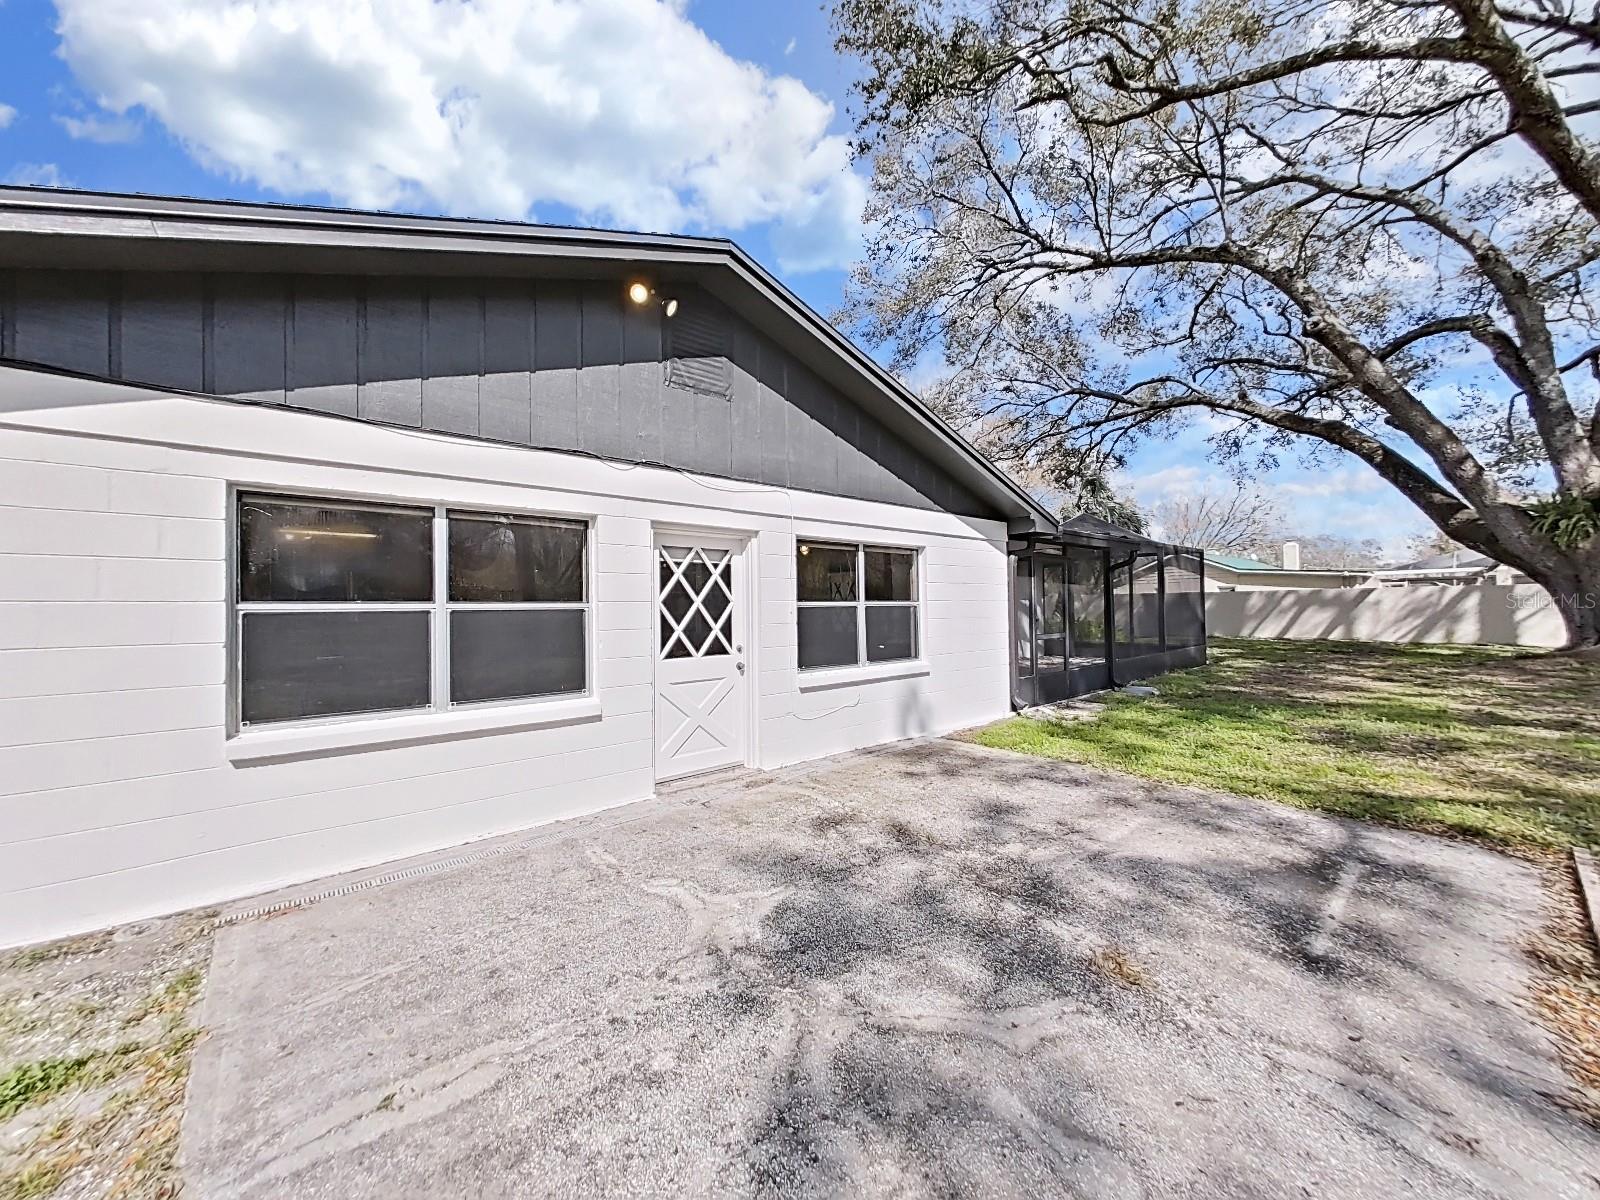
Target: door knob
{"x":740,"y":665}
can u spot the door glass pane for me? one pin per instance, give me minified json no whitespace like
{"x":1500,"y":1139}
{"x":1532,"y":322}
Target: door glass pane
{"x":827,"y":637}
{"x":514,"y":653}
{"x":891,"y":575}
{"x":717,"y":603}
{"x":511,"y":560}
{"x":696,"y":613}
{"x":891,"y":632}
{"x":676,"y":607}
{"x":825,"y":572}
{"x":322,"y":664}
{"x":305,"y":550}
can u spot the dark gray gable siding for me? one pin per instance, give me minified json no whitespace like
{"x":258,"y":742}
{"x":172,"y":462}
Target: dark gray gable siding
{"x":556,"y":365}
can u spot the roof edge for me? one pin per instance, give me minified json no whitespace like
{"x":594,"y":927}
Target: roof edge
{"x":206,"y":220}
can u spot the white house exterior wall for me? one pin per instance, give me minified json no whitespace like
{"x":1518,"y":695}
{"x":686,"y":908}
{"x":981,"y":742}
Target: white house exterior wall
{"x":119,"y":796}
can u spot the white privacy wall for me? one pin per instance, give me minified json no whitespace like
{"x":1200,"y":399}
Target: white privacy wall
{"x":117,"y":799}
{"x":1479,"y":614}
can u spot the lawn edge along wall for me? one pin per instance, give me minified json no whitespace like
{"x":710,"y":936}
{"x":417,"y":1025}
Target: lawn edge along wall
{"x":328,"y":538}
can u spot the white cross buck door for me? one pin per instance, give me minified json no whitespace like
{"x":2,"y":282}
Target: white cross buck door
{"x":700,"y":662}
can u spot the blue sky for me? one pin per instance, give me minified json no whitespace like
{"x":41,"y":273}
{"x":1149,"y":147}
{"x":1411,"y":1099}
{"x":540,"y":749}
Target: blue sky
{"x":720,"y":116}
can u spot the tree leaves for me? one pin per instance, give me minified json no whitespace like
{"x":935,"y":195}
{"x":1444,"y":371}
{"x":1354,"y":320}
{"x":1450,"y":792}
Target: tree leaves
{"x":1567,"y":520}
{"x":1315,"y":220}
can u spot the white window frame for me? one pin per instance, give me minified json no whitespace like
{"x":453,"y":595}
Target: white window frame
{"x":861,"y":603}
{"x":440,"y":708}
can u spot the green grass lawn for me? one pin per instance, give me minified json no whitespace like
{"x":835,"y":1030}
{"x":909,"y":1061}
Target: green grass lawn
{"x":1497,"y":745}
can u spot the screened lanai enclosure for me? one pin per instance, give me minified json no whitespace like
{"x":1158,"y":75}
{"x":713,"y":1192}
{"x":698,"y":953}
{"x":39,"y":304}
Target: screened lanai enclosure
{"x":1096,"y":606}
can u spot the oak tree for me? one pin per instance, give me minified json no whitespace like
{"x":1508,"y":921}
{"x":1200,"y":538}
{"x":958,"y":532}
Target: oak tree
{"x":1370,"y":229}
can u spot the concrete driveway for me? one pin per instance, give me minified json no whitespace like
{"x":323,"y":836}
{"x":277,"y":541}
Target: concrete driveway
{"x":931,"y":970}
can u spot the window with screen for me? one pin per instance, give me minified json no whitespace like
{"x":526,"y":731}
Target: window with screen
{"x":344,"y":608}
{"x":335,"y":609}
{"x":517,"y":607}
{"x":856,"y":605}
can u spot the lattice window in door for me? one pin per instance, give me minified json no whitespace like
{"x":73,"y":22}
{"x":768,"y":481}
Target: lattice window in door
{"x":696,"y":602}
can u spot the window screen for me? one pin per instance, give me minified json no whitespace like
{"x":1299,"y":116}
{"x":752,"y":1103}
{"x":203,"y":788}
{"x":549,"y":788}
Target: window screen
{"x":508,"y":653}
{"x":1022,"y":598}
{"x":335,"y":603}
{"x":1086,"y":588}
{"x":1185,"y":600}
{"x":891,"y":574}
{"x":891,"y":632}
{"x":857,"y":604}
{"x":330,"y":663}
{"x":825,"y":573}
{"x":1147,"y":602}
{"x":338,"y":613}
{"x":518,"y":618}
{"x":1052,"y":614}
{"x":306,"y":551}
{"x":1122,"y":605}
{"x":827,"y":636}
{"x":515,"y":560}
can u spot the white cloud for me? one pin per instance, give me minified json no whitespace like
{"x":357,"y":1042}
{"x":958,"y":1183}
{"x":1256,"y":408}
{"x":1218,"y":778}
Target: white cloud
{"x":8,"y":114}
{"x":1151,"y":487}
{"x":1350,"y":500}
{"x":37,"y":175}
{"x":105,"y":129}
{"x":788,"y":48}
{"x":1341,"y":481}
{"x":824,"y":230}
{"x":622,"y":110}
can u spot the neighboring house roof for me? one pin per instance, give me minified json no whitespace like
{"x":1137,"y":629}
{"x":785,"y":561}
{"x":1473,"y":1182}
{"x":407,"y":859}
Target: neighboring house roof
{"x":1237,"y":562}
{"x":1457,"y":560}
{"x":47,"y":227}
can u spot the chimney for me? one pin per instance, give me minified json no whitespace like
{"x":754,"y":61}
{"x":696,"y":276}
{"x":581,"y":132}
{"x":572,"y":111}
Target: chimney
{"x":1291,"y":556}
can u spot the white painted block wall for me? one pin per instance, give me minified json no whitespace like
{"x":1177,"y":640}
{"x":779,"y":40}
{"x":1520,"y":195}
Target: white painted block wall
{"x":1485,"y":614}
{"x":117,"y":800}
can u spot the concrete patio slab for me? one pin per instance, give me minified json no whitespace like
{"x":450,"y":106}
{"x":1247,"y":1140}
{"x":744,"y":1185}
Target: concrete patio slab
{"x":931,"y":970}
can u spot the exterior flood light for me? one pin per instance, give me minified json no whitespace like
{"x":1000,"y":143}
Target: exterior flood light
{"x":639,"y":291}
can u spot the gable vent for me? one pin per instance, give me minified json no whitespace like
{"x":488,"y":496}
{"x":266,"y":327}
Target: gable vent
{"x":697,"y":345}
